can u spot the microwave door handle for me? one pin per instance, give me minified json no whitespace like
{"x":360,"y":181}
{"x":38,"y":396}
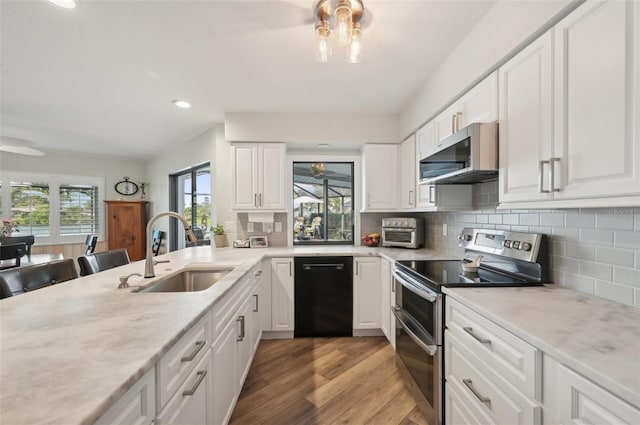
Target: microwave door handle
{"x":414,"y":287}
{"x":431,"y":349}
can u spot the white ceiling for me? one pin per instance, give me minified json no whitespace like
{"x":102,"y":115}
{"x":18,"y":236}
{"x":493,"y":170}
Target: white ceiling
{"x":99,"y":79}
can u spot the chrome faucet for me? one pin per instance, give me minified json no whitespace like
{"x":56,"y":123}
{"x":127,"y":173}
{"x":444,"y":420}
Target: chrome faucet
{"x":148,"y":265}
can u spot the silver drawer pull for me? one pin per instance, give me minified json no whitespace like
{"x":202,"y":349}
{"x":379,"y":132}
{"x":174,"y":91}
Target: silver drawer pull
{"x":256,"y":308}
{"x":469,"y":330}
{"x":201,"y":374}
{"x":242,"y":330}
{"x":193,"y":355}
{"x":483,"y":399}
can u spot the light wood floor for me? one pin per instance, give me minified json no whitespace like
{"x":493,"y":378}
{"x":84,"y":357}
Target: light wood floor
{"x":325,"y":381}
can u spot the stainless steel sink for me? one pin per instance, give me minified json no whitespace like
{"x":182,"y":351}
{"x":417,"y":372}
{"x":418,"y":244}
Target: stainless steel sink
{"x":188,"y":281}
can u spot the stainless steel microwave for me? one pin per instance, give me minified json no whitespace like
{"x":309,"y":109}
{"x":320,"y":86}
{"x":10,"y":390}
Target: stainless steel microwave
{"x":467,"y":156}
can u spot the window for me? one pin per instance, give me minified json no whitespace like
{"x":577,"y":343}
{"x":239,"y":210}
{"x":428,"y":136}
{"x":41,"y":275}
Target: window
{"x":323,"y":203}
{"x":191,"y":198}
{"x":56,"y":209}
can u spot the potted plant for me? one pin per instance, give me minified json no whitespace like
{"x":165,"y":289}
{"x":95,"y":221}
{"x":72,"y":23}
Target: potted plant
{"x":219,"y":237}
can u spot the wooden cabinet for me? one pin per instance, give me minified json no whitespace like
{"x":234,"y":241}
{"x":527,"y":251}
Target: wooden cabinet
{"x":126,"y":227}
{"x":569,"y":108}
{"x":380,"y":177}
{"x":258,"y":176}
{"x":450,"y":197}
{"x":137,"y":406}
{"x":366,"y":293}
{"x":480,"y":104}
{"x":407,"y":168}
{"x":282,"y":308}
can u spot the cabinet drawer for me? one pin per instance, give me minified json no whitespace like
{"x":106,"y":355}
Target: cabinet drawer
{"x":461,"y":409}
{"x":489,"y":393}
{"x":225,"y":308}
{"x":581,"y":401}
{"x":518,"y":362}
{"x":179,"y":361}
{"x":136,"y":407}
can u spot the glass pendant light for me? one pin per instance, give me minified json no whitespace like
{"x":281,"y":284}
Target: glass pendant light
{"x":342,"y":15}
{"x":323,"y":54}
{"x":354,"y":51}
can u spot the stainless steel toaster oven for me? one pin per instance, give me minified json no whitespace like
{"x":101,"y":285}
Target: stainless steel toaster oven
{"x":403,"y":232}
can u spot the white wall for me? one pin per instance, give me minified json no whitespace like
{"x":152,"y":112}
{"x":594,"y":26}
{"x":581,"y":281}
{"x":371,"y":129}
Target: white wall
{"x":113,"y":169}
{"x":298,"y":129}
{"x":506,"y":28}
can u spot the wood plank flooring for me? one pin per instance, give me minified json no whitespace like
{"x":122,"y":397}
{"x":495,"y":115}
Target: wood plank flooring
{"x":318,"y":381}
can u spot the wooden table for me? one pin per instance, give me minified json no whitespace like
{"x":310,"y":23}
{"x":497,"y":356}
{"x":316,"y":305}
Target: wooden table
{"x":31,"y":260}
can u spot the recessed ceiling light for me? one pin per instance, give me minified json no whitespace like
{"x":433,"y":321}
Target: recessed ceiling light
{"x":182,"y":104}
{"x":67,"y":4}
{"x":323,"y":146}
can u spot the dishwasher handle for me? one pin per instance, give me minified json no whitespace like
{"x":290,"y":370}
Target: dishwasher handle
{"x":337,"y":266}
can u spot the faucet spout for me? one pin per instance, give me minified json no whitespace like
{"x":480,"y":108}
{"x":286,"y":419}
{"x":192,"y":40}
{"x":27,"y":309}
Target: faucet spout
{"x":148,"y":265}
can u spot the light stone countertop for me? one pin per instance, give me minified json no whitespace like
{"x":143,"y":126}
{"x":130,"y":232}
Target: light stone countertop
{"x":69,"y":351}
{"x":597,"y":338}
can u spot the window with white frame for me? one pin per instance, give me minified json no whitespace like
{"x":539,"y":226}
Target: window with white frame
{"x":56,"y":209}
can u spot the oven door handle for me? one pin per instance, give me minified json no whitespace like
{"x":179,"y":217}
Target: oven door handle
{"x":406,"y":320}
{"x":415,"y":287}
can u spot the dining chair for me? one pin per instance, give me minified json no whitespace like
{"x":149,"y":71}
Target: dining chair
{"x":90,"y":244}
{"x":157,"y":236}
{"x":28,"y":240}
{"x":14,"y":252}
{"x":101,"y":261}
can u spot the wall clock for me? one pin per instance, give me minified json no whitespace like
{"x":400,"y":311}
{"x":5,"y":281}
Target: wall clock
{"x":126,"y":187}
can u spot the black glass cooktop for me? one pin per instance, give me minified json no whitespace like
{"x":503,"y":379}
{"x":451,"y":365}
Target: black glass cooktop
{"x":450,"y":273}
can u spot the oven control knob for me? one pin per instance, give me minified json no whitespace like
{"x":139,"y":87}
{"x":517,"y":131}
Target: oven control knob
{"x":525,"y":246}
{"x":515,"y":244}
{"x":507,"y":243}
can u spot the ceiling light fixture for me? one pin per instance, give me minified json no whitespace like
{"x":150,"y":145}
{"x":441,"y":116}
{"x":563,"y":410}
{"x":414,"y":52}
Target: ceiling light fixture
{"x":67,"y":4}
{"x":346,"y":30}
{"x":182,"y":104}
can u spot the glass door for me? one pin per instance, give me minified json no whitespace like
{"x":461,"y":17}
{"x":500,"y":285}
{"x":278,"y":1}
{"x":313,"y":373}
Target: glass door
{"x":191,"y":198}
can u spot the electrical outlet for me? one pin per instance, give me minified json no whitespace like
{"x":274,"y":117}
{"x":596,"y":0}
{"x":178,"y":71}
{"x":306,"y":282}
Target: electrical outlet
{"x":444,"y":229}
{"x":278,"y":226}
{"x":267,"y":227}
{"x":250,"y":228}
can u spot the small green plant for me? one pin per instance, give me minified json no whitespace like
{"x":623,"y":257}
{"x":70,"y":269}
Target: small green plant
{"x":218,"y":229}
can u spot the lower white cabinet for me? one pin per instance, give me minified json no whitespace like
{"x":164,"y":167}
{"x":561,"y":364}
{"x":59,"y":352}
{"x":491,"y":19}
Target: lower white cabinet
{"x":282,"y":308}
{"x":366,"y":293}
{"x":225,"y":385}
{"x":193,"y":402}
{"x":137,"y":406}
{"x":387,"y":297}
{"x":461,"y":409}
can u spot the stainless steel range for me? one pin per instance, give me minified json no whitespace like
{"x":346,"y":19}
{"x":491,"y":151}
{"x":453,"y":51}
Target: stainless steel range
{"x":509,"y":259}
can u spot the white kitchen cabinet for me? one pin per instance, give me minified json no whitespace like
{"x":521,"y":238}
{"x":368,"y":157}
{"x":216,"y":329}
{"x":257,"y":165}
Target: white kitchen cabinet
{"x":480,"y":104}
{"x":366,"y":293}
{"x":256,"y":316}
{"x":425,"y":140}
{"x":569,"y":108}
{"x":225,"y":364}
{"x":193,"y":402}
{"x":264,"y":295}
{"x":407,"y":167}
{"x":526,"y":114}
{"x":387,"y":298}
{"x":380,"y":177}
{"x":244,"y":337}
{"x":258,"y":176}
{"x":460,"y":407}
{"x":445,"y":197}
{"x":137,"y":406}
{"x":282,"y":308}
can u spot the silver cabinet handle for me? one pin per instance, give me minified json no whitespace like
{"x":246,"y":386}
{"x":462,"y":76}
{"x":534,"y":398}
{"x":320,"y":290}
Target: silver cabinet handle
{"x":458,"y":119}
{"x":432,"y":194}
{"x":410,"y":197}
{"x":357,"y":267}
{"x":258,"y":273}
{"x":393,"y":283}
{"x":201,"y":374}
{"x":241,"y":320}
{"x":469,"y":330}
{"x":541,"y":176}
{"x":483,"y":399}
{"x":453,"y":123}
{"x":193,"y":355}
{"x":290,"y":264}
{"x":260,"y":198}
{"x":255,"y":310}
{"x":552,"y":174}
{"x":255,"y":199}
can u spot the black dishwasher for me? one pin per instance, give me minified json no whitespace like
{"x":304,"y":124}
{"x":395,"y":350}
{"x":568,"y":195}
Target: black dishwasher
{"x":323,"y":296}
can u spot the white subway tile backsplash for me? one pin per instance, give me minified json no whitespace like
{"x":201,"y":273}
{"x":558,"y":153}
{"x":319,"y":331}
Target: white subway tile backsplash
{"x":482,"y":218}
{"x":495,"y":219}
{"x":557,"y":248}
{"x":538,"y":229}
{"x":520,"y":228}
{"x":554,"y":220}
{"x":580,"y":283}
{"x":597,"y":270}
{"x":565,"y":264}
{"x":511,"y":219}
{"x":530,"y":219}
{"x":614,"y":220}
{"x":636,"y":297}
{"x":620,"y":293}
{"x":579,"y":219}
{"x":637,"y":259}
{"x":637,"y":222}
{"x":626,"y":276}
{"x":580,"y":251}
{"x":567,"y":234}
{"x":619,"y":257}
{"x":626,"y":239}
{"x":597,"y":236}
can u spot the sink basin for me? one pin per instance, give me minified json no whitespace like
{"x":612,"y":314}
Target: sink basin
{"x":187,"y":281}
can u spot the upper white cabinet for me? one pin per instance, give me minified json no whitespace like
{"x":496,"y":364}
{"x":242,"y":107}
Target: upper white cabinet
{"x":408,"y":180}
{"x":258,"y":173}
{"x":425,"y":139}
{"x":480,"y":104}
{"x":380,"y":177}
{"x":366,"y":293}
{"x":525,"y":129}
{"x":569,"y":112}
{"x":445,"y":197}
